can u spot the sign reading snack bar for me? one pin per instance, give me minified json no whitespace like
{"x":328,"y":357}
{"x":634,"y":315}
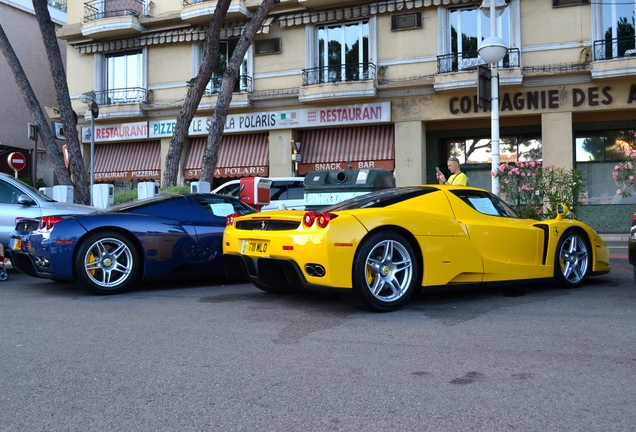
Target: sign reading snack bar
{"x":250,"y":122}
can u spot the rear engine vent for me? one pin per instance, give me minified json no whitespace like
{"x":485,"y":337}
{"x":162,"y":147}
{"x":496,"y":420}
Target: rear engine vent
{"x":267,"y":225}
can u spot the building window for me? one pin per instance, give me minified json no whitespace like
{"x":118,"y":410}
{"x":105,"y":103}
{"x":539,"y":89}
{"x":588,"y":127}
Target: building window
{"x":614,"y":37}
{"x":343,"y":52}
{"x":226,"y":48}
{"x":468,"y":27}
{"x":597,"y":156}
{"x":463,"y":28}
{"x":124,"y":78}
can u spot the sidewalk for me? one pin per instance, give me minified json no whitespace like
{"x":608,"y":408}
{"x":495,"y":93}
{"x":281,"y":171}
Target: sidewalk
{"x":615,"y":237}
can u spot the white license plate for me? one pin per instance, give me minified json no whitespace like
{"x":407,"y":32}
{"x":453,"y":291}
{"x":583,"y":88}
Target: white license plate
{"x":253,"y":247}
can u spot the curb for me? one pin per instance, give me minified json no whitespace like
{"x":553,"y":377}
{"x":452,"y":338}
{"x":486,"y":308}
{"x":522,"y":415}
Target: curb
{"x":615,"y":237}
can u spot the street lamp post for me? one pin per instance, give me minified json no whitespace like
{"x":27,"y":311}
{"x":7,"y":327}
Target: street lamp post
{"x":89,"y":98}
{"x":492,"y":50}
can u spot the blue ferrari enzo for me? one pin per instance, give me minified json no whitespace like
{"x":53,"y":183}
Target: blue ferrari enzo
{"x":107,"y":251}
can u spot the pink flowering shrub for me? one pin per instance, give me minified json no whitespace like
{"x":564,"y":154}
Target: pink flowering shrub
{"x":624,"y":173}
{"x":535,"y":190}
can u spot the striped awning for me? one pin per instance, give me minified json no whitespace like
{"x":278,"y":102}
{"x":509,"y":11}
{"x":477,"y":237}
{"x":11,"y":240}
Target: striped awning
{"x":239,"y":156}
{"x":335,"y":149}
{"x":355,"y":12}
{"x":188,"y":34}
{"x":128,"y":161}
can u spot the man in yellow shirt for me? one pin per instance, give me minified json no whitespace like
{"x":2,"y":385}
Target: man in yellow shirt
{"x":457,"y":176}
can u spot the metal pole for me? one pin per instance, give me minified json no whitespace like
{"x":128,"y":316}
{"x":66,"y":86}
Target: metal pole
{"x":92,"y":163}
{"x":494,"y":106}
{"x":34,"y":159}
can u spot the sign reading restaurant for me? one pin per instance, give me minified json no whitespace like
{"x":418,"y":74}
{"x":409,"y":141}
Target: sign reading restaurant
{"x":249,"y":122}
{"x":254,"y":122}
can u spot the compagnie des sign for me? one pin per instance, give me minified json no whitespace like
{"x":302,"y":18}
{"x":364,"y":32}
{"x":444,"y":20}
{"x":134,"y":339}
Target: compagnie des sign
{"x":252,"y":122}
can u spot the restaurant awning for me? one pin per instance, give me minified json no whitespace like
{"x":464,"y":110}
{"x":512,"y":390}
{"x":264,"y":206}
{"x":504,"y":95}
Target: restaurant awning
{"x":335,"y":149}
{"x":188,"y":34}
{"x":128,"y":161}
{"x":359,"y":11}
{"x":239,"y":156}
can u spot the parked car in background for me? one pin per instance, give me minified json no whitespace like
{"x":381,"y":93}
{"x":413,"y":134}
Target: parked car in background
{"x":19,"y":200}
{"x":107,"y":251}
{"x":378,"y":249}
{"x":284,"y":193}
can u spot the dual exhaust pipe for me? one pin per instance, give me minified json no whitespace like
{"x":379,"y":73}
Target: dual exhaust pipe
{"x":42,"y":262}
{"x":315,"y":270}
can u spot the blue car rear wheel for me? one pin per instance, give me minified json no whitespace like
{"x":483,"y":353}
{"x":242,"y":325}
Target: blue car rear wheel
{"x":106,"y":263}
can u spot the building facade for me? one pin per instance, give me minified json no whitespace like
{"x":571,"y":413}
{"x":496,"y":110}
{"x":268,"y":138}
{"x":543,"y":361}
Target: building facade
{"x":383,"y":84}
{"x":21,"y":27}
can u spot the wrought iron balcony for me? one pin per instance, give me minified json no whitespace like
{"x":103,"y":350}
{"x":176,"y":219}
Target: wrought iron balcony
{"x":121,"y":96}
{"x":242,"y":85}
{"x":339,"y":73}
{"x":469,"y":60}
{"x":59,"y":4}
{"x":100,"y":9}
{"x":608,"y":49}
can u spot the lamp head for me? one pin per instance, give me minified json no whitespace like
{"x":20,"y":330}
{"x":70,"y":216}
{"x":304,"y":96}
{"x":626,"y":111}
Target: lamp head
{"x":492,"y":49}
{"x":88,"y":97}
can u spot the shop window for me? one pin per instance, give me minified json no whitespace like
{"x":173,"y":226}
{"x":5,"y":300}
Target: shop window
{"x":475,"y":155}
{"x":598,"y":155}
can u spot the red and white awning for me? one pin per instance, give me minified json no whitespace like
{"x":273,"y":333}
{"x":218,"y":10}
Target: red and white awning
{"x":128,"y":161}
{"x":239,"y":156}
{"x":335,"y":149}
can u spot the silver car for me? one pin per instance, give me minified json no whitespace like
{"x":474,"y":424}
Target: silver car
{"x":19,"y":200}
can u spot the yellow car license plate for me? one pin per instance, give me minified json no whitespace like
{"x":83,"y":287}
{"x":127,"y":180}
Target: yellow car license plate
{"x":254,"y":247}
{"x":17,"y":244}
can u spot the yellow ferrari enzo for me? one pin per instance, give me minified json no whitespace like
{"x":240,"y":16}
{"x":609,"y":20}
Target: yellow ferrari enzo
{"x":378,"y":249}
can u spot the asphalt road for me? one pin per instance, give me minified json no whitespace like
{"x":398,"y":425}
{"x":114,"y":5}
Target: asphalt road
{"x":221,"y":356}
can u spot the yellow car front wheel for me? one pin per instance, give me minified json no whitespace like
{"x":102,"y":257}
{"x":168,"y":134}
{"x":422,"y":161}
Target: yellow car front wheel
{"x":572,"y":259}
{"x":385,"y":271}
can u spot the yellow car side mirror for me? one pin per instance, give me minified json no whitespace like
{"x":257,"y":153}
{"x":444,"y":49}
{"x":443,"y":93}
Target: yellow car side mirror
{"x":562,"y":210}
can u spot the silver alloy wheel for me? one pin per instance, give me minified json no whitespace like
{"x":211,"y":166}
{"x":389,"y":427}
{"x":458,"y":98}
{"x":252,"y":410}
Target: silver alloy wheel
{"x":389,"y":270}
{"x":574,"y":259}
{"x":108,"y":262}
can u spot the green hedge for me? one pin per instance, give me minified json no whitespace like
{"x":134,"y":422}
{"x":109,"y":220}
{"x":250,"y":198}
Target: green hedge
{"x":127,"y":195}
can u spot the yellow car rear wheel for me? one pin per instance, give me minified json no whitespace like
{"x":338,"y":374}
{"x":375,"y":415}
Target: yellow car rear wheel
{"x":385,"y":272}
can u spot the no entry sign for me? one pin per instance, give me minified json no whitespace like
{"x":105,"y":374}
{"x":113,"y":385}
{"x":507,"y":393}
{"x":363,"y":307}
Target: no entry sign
{"x":16,"y":161}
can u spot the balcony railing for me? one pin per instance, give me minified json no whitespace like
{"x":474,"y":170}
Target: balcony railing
{"x":59,"y":4}
{"x":242,"y":85}
{"x":339,"y":73}
{"x":121,"y":96}
{"x":193,"y":2}
{"x":469,"y":60}
{"x":609,"y":49}
{"x":100,"y":9}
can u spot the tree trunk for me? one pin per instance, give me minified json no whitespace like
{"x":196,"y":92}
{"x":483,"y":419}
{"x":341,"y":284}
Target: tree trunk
{"x":79,"y":175}
{"x":32,"y":103}
{"x":196,"y":87}
{"x":222,"y":108}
